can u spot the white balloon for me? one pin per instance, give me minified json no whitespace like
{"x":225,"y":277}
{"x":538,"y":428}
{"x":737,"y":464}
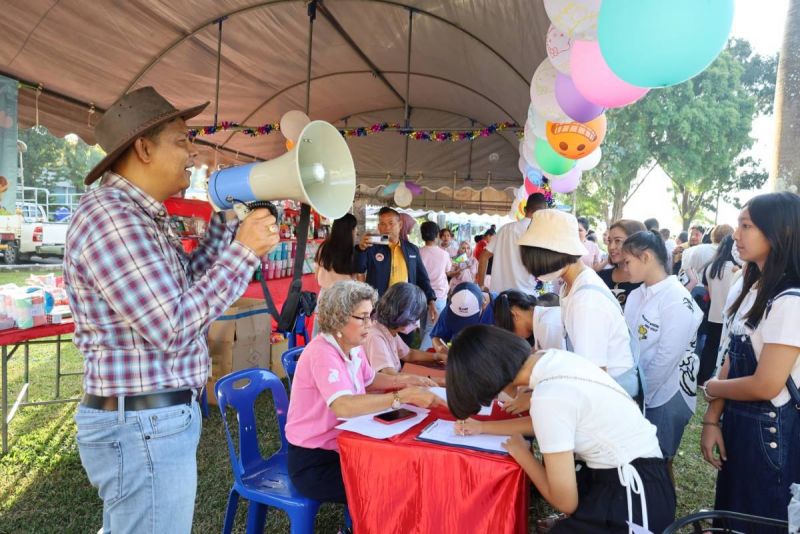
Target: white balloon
{"x":529,"y":152}
{"x":543,"y":93}
{"x":538,"y":123}
{"x":292,"y":123}
{"x":403,"y":196}
{"x":522,"y":165}
{"x":590,"y":161}
{"x":577,"y":18}
{"x":558,"y":45}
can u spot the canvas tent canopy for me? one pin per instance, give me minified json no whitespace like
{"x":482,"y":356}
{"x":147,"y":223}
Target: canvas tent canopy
{"x":469,"y":66}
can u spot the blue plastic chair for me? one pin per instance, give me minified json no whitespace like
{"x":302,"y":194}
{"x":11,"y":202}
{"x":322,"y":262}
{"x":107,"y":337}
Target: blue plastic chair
{"x":262,"y":482}
{"x":299,"y":329}
{"x":289,"y":360}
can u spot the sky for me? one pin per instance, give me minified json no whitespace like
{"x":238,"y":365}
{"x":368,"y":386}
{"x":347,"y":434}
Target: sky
{"x":761,"y":22}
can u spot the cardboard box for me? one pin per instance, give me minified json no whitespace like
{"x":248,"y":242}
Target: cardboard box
{"x":276,"y":351}
{"x":239,"y":339}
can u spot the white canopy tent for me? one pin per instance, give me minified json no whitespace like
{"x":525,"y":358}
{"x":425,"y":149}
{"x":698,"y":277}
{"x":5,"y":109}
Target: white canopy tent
{"x":468,"y":65}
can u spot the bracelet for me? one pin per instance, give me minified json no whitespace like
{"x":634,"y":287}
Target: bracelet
{"x":709,"y":423}
{"x":706,"y":395}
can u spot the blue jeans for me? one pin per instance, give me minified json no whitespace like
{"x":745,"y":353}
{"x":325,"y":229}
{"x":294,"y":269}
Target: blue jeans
{"x":427,"y":343}
{"x":143,"y":464}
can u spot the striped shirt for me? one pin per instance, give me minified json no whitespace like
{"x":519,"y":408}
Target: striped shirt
{"x":142,"y":307}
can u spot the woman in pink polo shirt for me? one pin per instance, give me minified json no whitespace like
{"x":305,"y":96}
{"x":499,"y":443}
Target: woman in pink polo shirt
{"x":331,"y":382}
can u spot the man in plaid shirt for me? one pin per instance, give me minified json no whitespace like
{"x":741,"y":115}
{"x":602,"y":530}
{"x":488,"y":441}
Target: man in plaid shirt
{"x":142,"y":309}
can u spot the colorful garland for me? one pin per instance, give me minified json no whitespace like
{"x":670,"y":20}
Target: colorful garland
{"x":363,"y":131}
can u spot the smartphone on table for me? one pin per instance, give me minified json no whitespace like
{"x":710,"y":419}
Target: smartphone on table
{"x":394,"y":416}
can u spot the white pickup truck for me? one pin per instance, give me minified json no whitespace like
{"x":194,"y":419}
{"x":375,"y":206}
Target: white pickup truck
{"x":28,"y":233}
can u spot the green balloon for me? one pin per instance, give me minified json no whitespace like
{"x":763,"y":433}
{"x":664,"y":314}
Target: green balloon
{"x":551,"y":161}
{"x":656,"y":43}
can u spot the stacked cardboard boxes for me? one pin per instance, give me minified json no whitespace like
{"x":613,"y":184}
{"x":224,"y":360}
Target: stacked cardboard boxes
{"x":239,"y":339}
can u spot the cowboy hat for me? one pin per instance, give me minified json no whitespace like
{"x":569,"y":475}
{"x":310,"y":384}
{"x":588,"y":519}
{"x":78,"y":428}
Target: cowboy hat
{"x":130,"y":117}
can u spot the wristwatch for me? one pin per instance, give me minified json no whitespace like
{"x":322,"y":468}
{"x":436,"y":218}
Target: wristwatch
{"x":396,"y":401}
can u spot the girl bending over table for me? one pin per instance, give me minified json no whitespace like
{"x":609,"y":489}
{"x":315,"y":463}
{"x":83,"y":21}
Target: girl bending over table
{"x":579,"y":413}
{"x":332,"y":381}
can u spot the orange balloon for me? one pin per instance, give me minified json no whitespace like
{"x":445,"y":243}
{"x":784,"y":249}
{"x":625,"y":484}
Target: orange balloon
{"x":289,"y":144}
{"x":575,"y":140}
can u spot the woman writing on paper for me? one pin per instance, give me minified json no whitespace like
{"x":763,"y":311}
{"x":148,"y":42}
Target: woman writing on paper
{"x":332,"y":381}
{"x":578,"y":412}
{"x":398,"y":312}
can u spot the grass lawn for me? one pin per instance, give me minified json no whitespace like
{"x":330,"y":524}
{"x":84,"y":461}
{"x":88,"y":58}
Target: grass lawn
{"x":43,"y":487}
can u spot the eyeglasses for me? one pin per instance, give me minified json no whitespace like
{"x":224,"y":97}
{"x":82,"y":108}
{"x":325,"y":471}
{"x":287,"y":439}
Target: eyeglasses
{"x":365,"y":319}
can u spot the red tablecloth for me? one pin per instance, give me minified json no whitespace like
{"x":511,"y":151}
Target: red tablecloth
{"x":15,"y":335}
{"x":406,"y":486}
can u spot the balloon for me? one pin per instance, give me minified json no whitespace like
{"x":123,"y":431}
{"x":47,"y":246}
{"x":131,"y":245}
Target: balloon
{"x":534,"y":176}
{"x":289,"y":144}
{"x":522,"y":165}
{"x":292,"y":123}
{"x":529,"y":151}
{"x":550,"y":161}
{"x":402,"y":195}
{"x":575,"y":140}
{"x":578,"y":18}
{"x":566,"y":183}
{"x":558,"y":45}
{"x":529,"y":187}
{"x":596,"y":82}
{"x":656,"y":43}
{"x":589,"y":162}
{"x":537,"y":122}
{"x":573,"y":102}
{"x":543,"y":93}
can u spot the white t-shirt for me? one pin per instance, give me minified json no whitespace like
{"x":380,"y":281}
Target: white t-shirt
{"x":724,"y":339}
{"x":780,"y":327}
{"x":670,"y":246}
{"x":548,"y":329}
{"x":697,"y":259}
{"x":507,"y":269}
{"x":595,"y":324}
{"x":718,"y":289}
{"x":576,"y":406}
{"x":665,"y":318}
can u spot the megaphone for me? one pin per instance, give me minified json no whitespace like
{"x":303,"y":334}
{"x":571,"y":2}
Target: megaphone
{"x":318,"y":171}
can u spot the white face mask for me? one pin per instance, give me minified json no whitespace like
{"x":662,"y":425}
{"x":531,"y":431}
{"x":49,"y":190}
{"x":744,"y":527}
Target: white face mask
{"x":552,"y":277}
{"x":407,"y":329}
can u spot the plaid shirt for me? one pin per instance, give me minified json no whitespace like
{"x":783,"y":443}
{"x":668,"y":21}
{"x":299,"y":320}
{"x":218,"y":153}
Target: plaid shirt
{"x":142,"y":307}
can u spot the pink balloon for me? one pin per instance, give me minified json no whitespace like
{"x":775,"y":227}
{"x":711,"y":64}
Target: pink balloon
{"x":596,"y":81}
{"x":567,"y":182}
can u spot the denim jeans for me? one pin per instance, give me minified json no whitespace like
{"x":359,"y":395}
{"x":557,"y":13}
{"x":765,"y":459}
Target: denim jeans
{"x":143,"y":464}
{"x":427,"y":343}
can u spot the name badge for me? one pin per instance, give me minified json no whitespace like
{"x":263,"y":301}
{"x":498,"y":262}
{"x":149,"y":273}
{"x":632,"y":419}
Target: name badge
{"x":379,"y":257}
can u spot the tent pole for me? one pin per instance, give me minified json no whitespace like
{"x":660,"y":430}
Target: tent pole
{"x":219,"y":64}
{"x":312,"y":14}
{"x":407,"y":111}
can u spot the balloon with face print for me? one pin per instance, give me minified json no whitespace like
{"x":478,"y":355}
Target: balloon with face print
{"x":576,"y":140}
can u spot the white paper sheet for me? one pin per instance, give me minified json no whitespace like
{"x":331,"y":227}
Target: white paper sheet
{"x":443,"y":432}
{"x":367,"y":426}
{"x":442,"y":392}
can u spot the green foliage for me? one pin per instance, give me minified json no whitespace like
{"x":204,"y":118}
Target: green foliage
{"x":698,"y":132}
{"x":52,"y":159}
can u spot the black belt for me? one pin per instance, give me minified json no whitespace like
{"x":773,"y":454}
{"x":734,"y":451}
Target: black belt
{"x":147,"y":401}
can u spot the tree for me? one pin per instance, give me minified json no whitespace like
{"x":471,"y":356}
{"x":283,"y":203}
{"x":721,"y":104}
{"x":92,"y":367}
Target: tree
{"x":785,"y":172}
{"x":606,"y":189}
{"x":44,"y":153}
{"x":699,"y":131}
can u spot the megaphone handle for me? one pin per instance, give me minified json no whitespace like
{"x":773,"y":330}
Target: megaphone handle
{"x":243,"y":209}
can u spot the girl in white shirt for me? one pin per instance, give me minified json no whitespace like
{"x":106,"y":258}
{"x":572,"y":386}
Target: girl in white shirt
{"x":578,"y":412}
{"x":593,"y":322}
{"x":758,"y":438}
{"x":718,"y":279}
{"x":665,"y":318}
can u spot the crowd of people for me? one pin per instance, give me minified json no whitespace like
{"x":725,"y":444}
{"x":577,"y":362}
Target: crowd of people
{"x":599,"y":354}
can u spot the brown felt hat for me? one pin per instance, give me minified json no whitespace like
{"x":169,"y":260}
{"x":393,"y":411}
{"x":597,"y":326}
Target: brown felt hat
{"x":131,"y":117}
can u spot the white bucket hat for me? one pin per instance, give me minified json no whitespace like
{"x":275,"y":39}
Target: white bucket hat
{"x":554,"y":230}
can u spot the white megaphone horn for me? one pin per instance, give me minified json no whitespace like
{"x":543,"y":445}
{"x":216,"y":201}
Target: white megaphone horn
{"x":319,"y":171}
